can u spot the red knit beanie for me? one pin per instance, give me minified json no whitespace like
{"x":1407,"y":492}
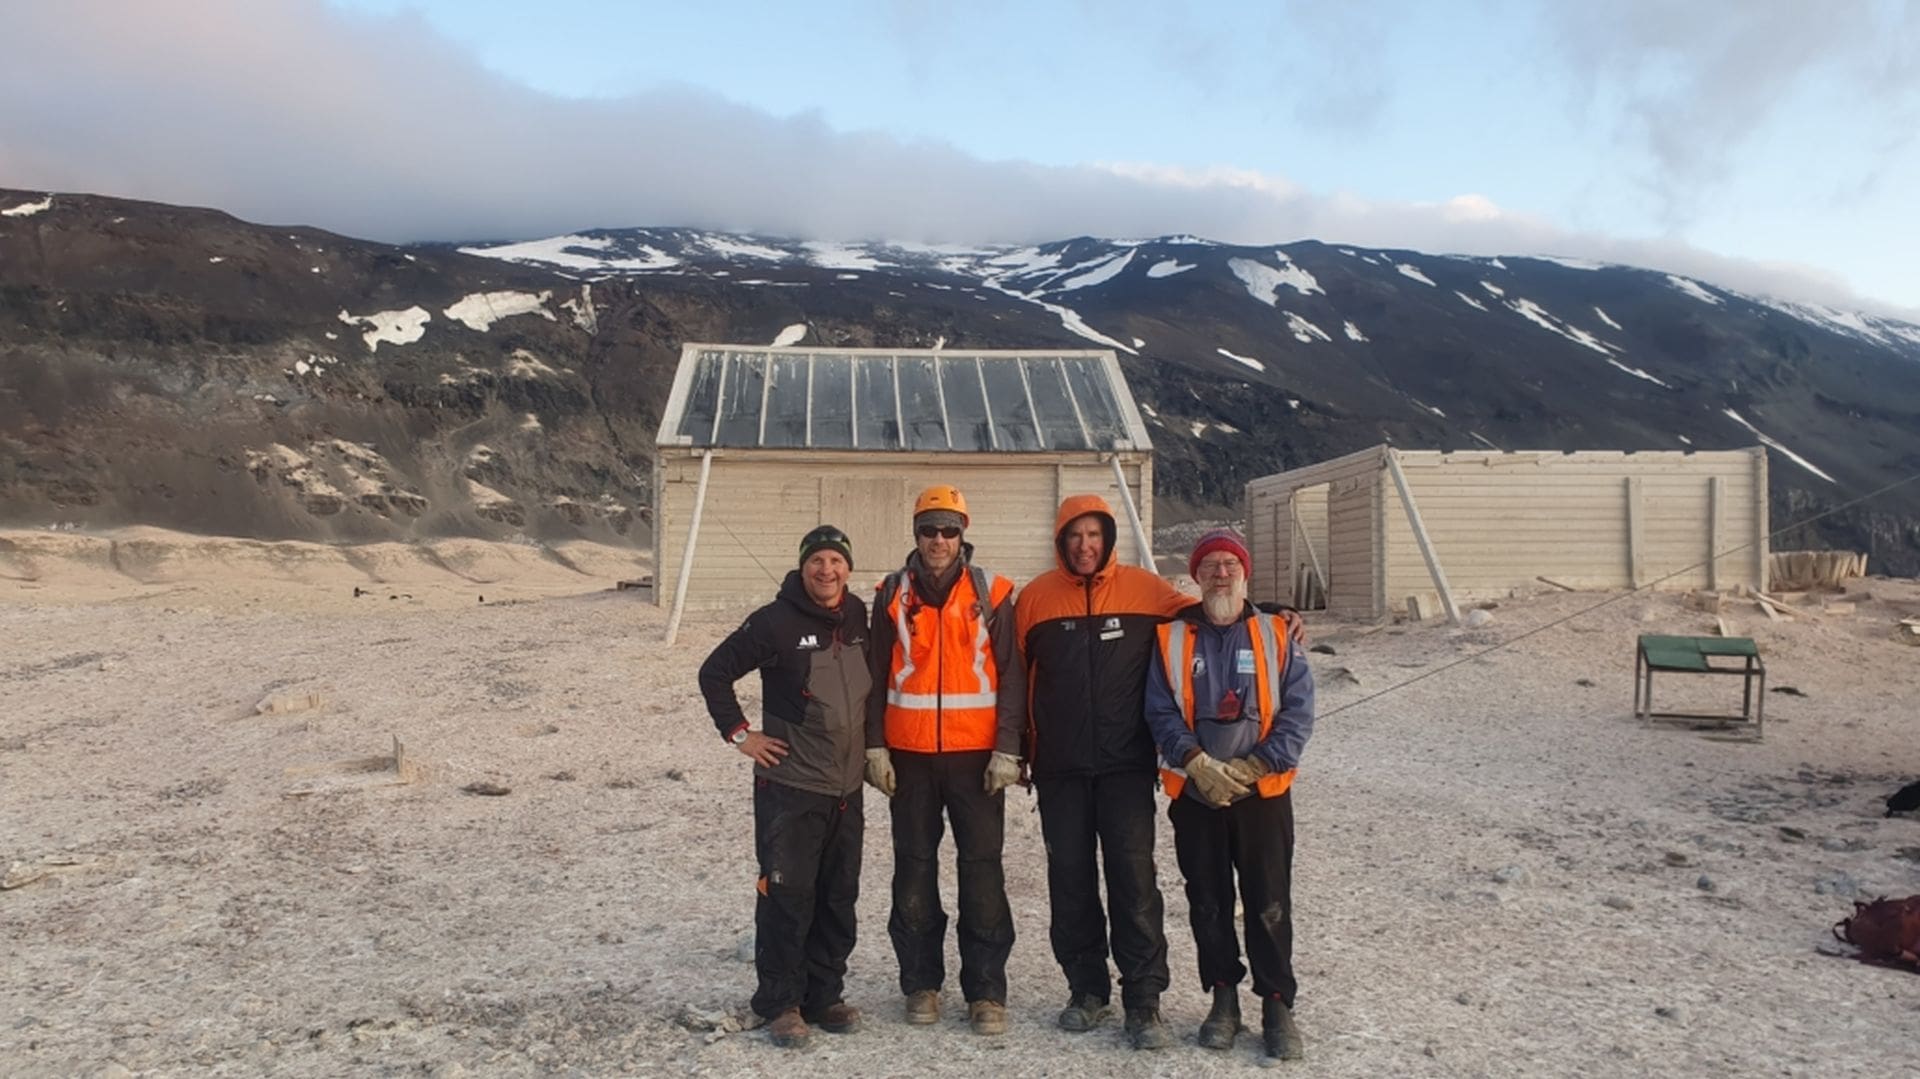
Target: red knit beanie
{"x":1220,"y":539}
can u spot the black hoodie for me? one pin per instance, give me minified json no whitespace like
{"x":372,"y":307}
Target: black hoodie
{"x":814,"y":680}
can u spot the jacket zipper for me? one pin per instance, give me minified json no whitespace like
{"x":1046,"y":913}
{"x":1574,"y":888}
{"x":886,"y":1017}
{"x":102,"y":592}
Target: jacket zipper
{"x":940,"y":675}
{"x":1093,"y":680}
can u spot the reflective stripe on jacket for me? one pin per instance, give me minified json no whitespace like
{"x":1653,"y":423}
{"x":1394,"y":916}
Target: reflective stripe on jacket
{"x":1270,"y":658}
{"x":943,"y":679}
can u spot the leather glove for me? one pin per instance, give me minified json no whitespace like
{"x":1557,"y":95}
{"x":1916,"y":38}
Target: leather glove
{"x":1247,"y":769}
{"x":880,"y":770}
{"x":1003,"y":771}
{"x":1216,"y":785}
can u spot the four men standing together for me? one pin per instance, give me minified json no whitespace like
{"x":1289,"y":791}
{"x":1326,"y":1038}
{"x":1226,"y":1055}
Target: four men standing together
{"x":1093,"y":674}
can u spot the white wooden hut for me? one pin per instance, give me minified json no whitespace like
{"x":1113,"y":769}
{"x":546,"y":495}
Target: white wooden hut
{"x":759,"y":445}
{"x":1363,"y":534}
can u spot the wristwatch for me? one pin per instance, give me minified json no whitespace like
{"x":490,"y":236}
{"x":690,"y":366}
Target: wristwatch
{"x":739,"y":737}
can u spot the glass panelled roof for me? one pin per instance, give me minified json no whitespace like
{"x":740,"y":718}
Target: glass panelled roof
{"x":949,"y":401}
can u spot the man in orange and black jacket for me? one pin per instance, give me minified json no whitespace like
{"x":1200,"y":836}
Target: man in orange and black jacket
{"x":1086,"y":631}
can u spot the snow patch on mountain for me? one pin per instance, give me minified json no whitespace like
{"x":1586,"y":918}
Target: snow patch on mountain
{"x":1248,"y":360}
{"x":1468,"y":300}
{"x":28,"y":209}
{"x":566,"y":251}
{"x":1264,"y":283}
{"x":582,"y":309}
{"x":1493,"y":289}
{"x":1772,"y":444}
{"x":745,"y":248}
{"x":1545,"y":319}
{"x":393,"y":327}
{"x":792,"y":335}
{"x":1570,"y":263}
{"x":480,"y":310}
{"x":1407,"y":269}
{"x":1881,"y":331}
{"x":1638,"y":373}
{"x":1169,"y":267}
{"x":1303,"y":331}
{"x":1609,"y":321}
{"x":831,"y":256}
{"x":1693,"y":289}
{"x":1100,"y":274}
{"x":1353,"y":332}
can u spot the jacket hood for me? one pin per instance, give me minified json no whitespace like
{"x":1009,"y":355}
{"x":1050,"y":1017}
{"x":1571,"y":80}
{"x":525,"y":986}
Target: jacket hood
{"x":1071,"y":509}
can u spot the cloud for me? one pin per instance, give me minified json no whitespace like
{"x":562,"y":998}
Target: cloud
{"x":1695,"y":82}
{"x":379,"y":128}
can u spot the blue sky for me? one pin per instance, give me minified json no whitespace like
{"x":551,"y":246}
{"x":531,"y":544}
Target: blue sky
{"x":1760,"y":144}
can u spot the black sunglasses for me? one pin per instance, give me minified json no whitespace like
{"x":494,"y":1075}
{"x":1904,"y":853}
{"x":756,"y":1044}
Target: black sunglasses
{"x":943,"y":531}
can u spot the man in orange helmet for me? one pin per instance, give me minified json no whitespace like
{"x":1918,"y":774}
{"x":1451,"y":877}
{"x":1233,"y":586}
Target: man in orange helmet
{"x":1086,"y":634}
{"x":944,"y":737}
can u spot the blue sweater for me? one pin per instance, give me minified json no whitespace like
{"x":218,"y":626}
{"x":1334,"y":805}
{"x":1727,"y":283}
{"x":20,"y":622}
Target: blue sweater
{"x":1223,"y":663}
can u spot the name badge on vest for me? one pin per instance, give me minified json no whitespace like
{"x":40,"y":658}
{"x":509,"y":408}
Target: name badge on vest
{"x":1243,"y":662}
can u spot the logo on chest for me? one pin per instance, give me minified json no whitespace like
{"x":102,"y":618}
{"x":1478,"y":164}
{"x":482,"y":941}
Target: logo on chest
{"x":811,"y":640}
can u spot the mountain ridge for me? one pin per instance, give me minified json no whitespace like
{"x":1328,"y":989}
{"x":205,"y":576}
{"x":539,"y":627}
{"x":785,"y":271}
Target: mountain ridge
{"x":512,"y":389}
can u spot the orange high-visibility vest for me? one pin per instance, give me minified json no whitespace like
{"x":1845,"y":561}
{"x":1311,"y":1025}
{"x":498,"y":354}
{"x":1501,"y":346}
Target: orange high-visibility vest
{"x":942,"y":681}
{"x":1270,"y":632}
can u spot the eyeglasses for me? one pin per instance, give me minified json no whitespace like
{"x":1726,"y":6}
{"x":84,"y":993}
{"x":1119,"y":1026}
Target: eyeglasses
{"x":1213,"y":566}
{"x":943,"y":531}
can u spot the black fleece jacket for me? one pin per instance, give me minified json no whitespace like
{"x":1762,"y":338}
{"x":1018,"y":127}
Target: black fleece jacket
{"x":814,"y":680}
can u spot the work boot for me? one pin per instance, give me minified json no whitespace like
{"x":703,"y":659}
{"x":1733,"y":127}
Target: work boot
{"x":836,"y":1018}
{"x":788,"y":1030}
{"x":1222,"y":1024}
{"x":1145,"y":1029}
{"x":923,"y":1007}
{"x":987,"y":1017}
{"x":1083,"y":1012}
{"x":1282,"y":1036}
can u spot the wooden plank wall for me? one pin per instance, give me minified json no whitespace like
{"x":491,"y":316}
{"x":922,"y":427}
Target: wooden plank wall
{"x":1338,"y":501}
{"x":1601,"y":520}
{"x":759,"y":504}
{"x":1354,"y":507}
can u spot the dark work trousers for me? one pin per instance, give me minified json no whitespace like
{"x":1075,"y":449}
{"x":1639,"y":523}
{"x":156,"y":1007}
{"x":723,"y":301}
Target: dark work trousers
{"x":1116,"y":812}
{"x":803,"y":924}
{"x":927,"y":785}
{"x":1253,"y":838}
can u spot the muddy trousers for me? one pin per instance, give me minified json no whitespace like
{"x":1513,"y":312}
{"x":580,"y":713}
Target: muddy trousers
{"x":1114,"y":813}
{"x":803,"y":923}
{"x":1253,"y":839}
{"x":928,"y":785}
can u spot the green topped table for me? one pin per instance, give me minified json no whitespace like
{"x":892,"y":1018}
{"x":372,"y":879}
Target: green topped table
{"x":1700,"y":655}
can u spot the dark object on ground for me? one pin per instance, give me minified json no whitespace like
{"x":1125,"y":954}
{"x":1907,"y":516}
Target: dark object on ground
{"x":359,"y":591}
{"x":1887,"y":932}
{"x":1904,"y":800}
{"x":1323,"y":649}
{"x":1791,"y":691}
{"x":481,"y":786}
{"x":1587,"y":682}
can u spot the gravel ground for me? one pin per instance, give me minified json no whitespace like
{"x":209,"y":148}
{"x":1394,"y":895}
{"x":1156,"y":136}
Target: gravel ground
{"x":1498,"y":872}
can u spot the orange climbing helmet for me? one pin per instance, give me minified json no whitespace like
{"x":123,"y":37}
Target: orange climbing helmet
{"x":942,"y":496}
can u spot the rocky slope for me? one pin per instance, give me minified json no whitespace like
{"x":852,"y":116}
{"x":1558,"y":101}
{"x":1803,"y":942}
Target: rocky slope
{"x":181,"y":368}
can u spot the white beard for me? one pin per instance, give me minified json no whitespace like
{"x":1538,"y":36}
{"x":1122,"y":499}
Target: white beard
{"x":1224,"y":607}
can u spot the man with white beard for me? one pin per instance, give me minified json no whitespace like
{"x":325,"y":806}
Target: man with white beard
{"x":1230,"y":704}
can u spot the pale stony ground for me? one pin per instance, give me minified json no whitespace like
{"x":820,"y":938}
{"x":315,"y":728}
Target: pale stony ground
{"x":1499,"y":873}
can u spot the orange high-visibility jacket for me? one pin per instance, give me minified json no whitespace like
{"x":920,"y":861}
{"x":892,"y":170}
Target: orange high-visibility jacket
{"x":943,"y":679}
{"x":1270,"y":633}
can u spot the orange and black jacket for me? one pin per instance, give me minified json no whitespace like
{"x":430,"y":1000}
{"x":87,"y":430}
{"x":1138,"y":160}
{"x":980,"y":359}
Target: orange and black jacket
{"x":1087,"y":642}
{"x":946,"y":670}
